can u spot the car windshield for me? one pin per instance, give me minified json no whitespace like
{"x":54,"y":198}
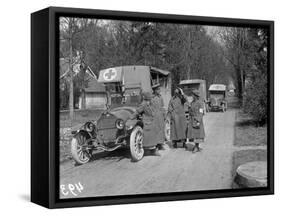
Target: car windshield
{"x":217,"y":94}
{"x":115,"y":87}
{"x":119,"y":96}
{"x":188,"y":88}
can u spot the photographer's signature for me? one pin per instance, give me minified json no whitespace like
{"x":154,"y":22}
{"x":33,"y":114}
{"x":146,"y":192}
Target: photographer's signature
{"x":74,"y":189}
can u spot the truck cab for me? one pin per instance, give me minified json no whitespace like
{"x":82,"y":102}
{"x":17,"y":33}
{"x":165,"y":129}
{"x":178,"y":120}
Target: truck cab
{"x":217,"y":97}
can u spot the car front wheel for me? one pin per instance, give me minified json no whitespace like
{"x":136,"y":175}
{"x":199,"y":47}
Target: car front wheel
{"x":80,"y":153}
{"x":136,"y":144}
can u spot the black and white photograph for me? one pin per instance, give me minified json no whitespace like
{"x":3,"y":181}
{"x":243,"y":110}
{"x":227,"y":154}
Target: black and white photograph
{"x":138,"y":108}
{"x":155,"y":107}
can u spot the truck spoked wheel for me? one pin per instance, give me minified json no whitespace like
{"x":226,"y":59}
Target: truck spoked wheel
{"x":136,"y":144}
{"x":78,"y":150}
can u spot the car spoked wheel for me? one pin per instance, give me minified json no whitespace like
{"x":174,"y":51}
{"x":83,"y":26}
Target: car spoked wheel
{"x":136,"y":144}
{"x":79,"y":150}
{"x":167,"y":130}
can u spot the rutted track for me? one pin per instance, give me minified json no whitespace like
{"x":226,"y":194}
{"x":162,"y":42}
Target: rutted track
{"x":175,"y":170}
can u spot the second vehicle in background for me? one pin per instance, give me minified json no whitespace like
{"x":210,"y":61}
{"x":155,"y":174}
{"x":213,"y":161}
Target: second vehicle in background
{"x":217,"y":97}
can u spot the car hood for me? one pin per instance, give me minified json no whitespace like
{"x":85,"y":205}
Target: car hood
{"x":123,"y":113}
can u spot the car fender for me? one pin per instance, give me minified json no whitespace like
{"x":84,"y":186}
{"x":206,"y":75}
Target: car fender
{"x":131,"y":123}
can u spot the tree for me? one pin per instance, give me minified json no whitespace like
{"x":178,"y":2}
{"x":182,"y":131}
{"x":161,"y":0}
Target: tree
{"x":69,"y":28}
{"x":235,"y":52}
{"x":255,"y":100}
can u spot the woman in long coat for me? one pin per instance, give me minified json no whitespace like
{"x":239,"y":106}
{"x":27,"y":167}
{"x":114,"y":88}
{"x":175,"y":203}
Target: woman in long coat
{"x":196,"y":127}
{"x":158,"y":103}
{"x":177,"y":118}
{"x":150,"y":127}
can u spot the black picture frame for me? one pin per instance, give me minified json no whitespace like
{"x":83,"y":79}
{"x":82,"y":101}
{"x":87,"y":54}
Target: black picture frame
{"x":45,"y":107}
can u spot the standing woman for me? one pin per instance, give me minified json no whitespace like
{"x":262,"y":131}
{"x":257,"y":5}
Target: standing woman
{"x":158,"y":103}
{"x":177,"y":116}
{"x":196,"y":127}
{"x":150,"y":121}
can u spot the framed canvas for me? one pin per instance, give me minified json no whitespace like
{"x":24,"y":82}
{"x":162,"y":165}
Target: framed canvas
{"x":139,"y":107}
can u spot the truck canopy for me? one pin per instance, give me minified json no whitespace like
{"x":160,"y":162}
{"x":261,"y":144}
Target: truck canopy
{"x":192,"y":81}
{"x":131,"y":80}
{"x":217,"y":87}
{"x":130,"y":76}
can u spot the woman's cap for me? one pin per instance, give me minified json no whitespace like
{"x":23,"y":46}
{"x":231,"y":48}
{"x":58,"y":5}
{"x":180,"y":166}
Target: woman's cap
{"x":196,"y":92}
{"x":147,"y":95}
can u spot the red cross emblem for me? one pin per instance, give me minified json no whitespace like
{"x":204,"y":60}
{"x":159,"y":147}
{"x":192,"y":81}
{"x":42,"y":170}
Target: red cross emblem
{"x":110,"y":74}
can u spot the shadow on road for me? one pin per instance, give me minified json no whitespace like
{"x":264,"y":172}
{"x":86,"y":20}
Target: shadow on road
{"x":117,"y":155}
{"x":25,"y":197}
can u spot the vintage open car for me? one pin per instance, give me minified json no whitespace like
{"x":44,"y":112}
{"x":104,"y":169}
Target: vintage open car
{"x":217,"y":97}
{"x":115,"y":128}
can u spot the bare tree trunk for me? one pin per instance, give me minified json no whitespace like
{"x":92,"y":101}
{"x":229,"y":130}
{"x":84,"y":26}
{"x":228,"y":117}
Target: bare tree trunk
{"x":239,"y":82}
{"x":71,"y":99}
{"x":83,"y":84}
{"x":188,"y":71}
{"x":83,"y":99}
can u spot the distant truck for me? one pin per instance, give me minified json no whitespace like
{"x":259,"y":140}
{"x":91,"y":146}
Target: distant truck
{"x":189,"y":85}
{"x":217,"y":97}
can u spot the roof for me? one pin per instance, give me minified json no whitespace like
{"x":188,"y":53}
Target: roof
{"x":217,"y":87}
{"x":163,"y":72}
{"x":192,"y":81}
{"x":94,"y":86}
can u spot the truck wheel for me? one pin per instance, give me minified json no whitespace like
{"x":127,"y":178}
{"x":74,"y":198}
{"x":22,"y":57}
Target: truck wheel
{"x":79,"y":153}
{"x":136,"y":144}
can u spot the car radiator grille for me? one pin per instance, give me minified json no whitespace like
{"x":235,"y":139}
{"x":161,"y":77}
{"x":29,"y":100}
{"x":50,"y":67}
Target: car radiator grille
{"x":107,"y":130}
{"x":215,"y":102}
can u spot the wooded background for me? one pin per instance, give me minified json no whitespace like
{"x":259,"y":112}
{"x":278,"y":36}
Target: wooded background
{"x":220,"y":55}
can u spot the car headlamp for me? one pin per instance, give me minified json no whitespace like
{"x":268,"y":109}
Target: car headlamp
{"x":89,"y":126}
{"x":120,"y":124}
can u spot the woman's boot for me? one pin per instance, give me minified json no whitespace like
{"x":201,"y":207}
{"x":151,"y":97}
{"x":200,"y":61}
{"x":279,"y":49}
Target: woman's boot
{"x":196,"y":148}
{"x":155,"y":152}
{"x":175,"y":144}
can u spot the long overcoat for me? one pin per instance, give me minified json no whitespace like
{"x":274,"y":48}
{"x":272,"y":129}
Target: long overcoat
{"x":150,"y":127}
{"x":177,"y":119}
{"x":196,"y":126}
{"x":158,"y":104}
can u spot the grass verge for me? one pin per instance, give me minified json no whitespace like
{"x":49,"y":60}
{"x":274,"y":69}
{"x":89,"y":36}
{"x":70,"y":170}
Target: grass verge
{"x":247,"y":133}
{"x":249,"y":140}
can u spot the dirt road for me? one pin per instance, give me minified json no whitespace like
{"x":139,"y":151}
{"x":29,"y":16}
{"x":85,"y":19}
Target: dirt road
{"x":175,"y":170}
